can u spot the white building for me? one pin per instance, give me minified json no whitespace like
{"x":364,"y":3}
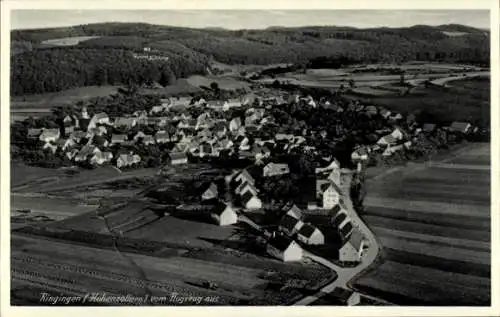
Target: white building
{"x":224,"y":215}
{"x":309,"y":234}
{"x":284,"y":249}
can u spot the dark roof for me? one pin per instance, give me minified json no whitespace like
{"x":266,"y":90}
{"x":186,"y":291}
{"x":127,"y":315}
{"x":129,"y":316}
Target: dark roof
{"x":247,"y":196}
{"x":219,"y":208}
{"x":336,"y":209}
{"x":339,"y":219}
{"x":346,"y":229}
{"x":84,"y":123}
{"x":288,"y":222}
{"x":307,"y":230}
{"x":280,"y":242}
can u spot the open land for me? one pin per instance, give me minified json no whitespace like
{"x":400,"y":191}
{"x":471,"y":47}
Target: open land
{"x":434,"y":228}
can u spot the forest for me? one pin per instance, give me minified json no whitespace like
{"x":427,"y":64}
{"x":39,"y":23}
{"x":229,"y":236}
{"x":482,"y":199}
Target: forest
{"x":108,"y":59}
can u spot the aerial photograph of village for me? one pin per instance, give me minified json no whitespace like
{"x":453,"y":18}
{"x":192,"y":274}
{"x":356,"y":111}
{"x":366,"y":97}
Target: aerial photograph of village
{"x":250,"y":158}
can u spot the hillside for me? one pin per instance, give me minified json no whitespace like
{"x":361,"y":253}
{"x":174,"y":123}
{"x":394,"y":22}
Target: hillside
{"x":190,"y":50}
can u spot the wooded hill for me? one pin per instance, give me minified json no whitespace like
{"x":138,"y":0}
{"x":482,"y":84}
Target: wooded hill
{"x":39,"y":67}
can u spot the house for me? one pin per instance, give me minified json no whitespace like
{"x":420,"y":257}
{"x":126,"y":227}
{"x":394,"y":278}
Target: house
{"x":397,"y":134}
{"x":224,"y":215}
{"x":217,"y":104}
{"x":235,"y":124}
{"x":250,"y":201}
{"x":352,"y":249}
{"x":386,"y":140}
{"x":284,"y":248}
{"x":34,"y":133}
{"x":344,"y":297}
{"x":335,"y":176}
{"x":329,"y":193}
{"x":157,"y":110}
{"x":85,"y":152}
{"x":260,"y":152}
{"x":244,"y":176}
{"x":71,"y":154}
{"x":177,"y":158}
{"x":125,"y":160}
{"x":77,"y":136}
{"x":385,"y":113}
{"x":334,"y":165}
{"x":462,"y":127}
{"x":66,"y":144}
{"x":311,"y":235}
{"x":49,"y":135}
{"x":245,"y":187}
{"x":294,"y":212}
{"x":68,"y":130}
{"x":162,"y":137}
{"x":340,"y":219}
{"x":100,"y":158}
{"x":51,"y":146}
{"x":283,"y":136}
{"x":206,"y":150}
{"x":429,"y":127}
{"x":139,"y":135}
{"x":290,"y":225}
{"x":274,"y":169}
{"x":118,"y":138}
{"x":125,"y":122}
{"x":148,"y":140}
{"x":210,"y":193}
{"x":346,"y":230}
{"x":360,"y":154}
{"x":100,"y":118}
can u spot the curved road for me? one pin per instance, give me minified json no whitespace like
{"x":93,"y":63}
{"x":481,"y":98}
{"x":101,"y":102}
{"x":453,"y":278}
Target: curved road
{"x":345,"y":274}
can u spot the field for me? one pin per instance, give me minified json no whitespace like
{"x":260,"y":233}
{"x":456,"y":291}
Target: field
{"x":66,"y":41}
{"x":434,"y":227}
{"x":226,"y":83}
{"x":462,"y":100}
{"x":53,"y":208}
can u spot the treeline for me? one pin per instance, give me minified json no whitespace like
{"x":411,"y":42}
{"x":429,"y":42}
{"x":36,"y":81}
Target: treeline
{"x":56,"y":69}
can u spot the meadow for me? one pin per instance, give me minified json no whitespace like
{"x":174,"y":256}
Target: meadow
{"x":434,"y":228}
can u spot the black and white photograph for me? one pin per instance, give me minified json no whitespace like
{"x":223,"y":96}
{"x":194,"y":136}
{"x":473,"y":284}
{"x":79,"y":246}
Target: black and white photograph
{"x":178,"y":157}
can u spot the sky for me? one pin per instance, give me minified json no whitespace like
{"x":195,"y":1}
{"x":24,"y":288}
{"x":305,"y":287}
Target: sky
{"x":250,"y":19}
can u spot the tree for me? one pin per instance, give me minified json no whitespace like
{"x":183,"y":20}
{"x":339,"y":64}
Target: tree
{"x":352,"y":83}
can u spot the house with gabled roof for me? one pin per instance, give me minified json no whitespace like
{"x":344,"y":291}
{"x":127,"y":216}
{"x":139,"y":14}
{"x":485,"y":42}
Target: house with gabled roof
{"x":244,"y":187}
{"x":223,"y":214}
{"x":244,"y":176}
{"x":85,"y":152}
{"x":290,"y":225}
{"x":210,"y":193}
{"x":177,"y":158}
{"x":118,"y":138}
{"x":34,"y":133}
{"x":283,"y":248}
{"x":100,"y":118}
{"x":293,"y":211}
{"x":125,"y":160}
{"x":235,"y":124}
{"x":148,"y":140}
{"x":250,"y":201}
{"x":329,"y":193}
{"x":352,"y":248}
{"x":275,"y":169}
{"x":100,"y":158}
{"x":346,"y":230}
{"x":162,"y":137}
{"x":311,"y":235}
{"x":333,"y":165}
{"x":462,"y":127}
{"x":125,"y":122}
{"x":49,"y":135}
{"x":52,"y":147}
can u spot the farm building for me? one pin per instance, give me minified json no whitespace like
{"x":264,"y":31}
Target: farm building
{"x":284,"y":248}
{"x":273,"y":169}
{"x":345,"y":297}
{"x":352,"y":249}
{"x":210,"y":193}
{"x":49,"y":135}
{"x":224,"y":215}
{"x":462,"y":127}
{"x":250,"y":201}
{"x":335,"y":176}
{"x":294,"y":212}
{"x":290,"y":225}
{"x":309,"y":234}
{"x":177,"y":158}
